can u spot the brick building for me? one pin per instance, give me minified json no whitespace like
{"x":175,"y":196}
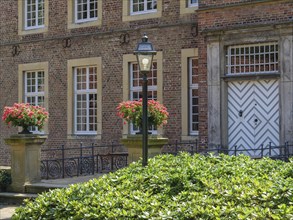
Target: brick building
{"x":76,"y":58}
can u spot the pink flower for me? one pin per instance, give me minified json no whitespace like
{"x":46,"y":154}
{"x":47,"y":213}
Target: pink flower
{"x":21,"y":114}
{"x":131,"y":111}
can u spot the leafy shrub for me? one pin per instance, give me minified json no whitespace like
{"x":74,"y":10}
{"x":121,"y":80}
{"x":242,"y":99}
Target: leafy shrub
{"x":176,"y":187}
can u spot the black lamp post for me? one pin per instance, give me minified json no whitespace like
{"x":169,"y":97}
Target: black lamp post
{"x":144,"y":54}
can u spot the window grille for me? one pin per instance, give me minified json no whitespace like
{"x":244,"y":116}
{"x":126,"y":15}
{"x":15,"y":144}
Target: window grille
{"x":252,"y":59}
{"x":34,"y":92}
{"x":193,"y":95}
{"x":85,"y":100}
{"x":136,"y":82}
{"x":143,"y":6}
{"x":34,"y":14}
{"x":86,"y":10}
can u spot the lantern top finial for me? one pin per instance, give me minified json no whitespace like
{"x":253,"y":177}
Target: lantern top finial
{"x":144,"y":38}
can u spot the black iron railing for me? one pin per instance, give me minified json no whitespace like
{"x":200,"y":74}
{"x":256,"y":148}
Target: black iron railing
{"x":282,"y":152}
{"x":88,"y":160}
{"x":82,"y":160}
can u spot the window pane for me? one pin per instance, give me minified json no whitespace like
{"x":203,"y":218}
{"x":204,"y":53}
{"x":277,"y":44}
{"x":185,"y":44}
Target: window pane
{"x":86,"y":99}
{"x":193,"y":95}
{"x":86,"y":9}
{"x":252,"y":59}
{"x":34,"y":90}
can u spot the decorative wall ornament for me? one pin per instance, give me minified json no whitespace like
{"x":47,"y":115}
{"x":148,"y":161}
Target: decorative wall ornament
{"x":66,"y":43}
{"x":194,"y":30}
{"x":124,"y":38}
{"x":15,"y":50}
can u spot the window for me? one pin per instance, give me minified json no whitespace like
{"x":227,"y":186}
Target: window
{"x":33,"y":16}
{"x":252,"y":59}
{"x":188,"y":6}
{"x":134,"y":10}
{"x":136,"y":82}
{"x":86,"y":10}
{"x":85,"y":96}
{"x":143,"y":6}
{"x":193,"y":95}
{"x":190,"y":94}
{"x":33,"y":86}
{"x":34,"y":93}
{"x":84,"y":105}
{"x":84,"y":13}
{"x":192,"y":3}
{"x":132,"y":85}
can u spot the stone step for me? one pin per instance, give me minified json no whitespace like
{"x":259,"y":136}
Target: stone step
{"x":42,"y":187}
{"x":15,"y":198}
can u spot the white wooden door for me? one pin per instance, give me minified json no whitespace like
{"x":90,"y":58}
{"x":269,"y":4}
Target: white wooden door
{"x":253,"y":116}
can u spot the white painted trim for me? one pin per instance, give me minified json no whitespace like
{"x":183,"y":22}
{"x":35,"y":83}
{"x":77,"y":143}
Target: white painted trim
{"x":145,"y":11}
{"x":191,"y":86}
{"x":37,"y":26}
{"x":88,"y":19}
{"x":86,"y":92}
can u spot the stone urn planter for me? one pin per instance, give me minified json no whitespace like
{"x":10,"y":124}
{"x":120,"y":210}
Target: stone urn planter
{"x":25,"y":159}
{"x":133,"y":143}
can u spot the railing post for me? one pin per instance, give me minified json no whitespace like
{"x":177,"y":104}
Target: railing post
{"x":97,"y":163}
{"x":196,"y":146}
{"x":93,"y":159}
{"x":176,"y":147}
{"x":286,"y":151}
{"x":261,"y":153}
{"x":112,"y":161}
{"x":63,"y":158}
{"x":47,"y":164}
{"x":192,"y":148}
{"x":235,"y":150}
{"x":80,"y":156}
{"x":270,"y":149}
{"x":218,"y":149}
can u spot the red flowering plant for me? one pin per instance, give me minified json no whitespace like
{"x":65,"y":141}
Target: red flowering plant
{"x":25,"y":115}
{"x":131,"y":111}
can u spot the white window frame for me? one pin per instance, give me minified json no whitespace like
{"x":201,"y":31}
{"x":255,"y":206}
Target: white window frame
{"x":190,"y":4}
{"x":151,"y":88}
{"x":86,"y":92}
{"x":145,"y":11}
{"x":191,"y":87}
{"x":88,"y":12}
{"x":248,"y":59}
{"x":37,"y":15}
{"x":36,"y":94}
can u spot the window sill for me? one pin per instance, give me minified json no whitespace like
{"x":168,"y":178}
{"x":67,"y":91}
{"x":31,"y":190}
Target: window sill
{"x":189,"y":138}
{"x":188,"y":10}
{"x":141,"y":16}
{"x":84,"y":136}
{"x":33,"y":31}
{"x":87,"y":23}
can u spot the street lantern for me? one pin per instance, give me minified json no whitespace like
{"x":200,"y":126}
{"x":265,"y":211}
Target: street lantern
{"x":144,"y":54}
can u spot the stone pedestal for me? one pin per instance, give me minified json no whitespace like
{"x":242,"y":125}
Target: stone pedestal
{"x":133,"y":143}
{"x":25,"y":160}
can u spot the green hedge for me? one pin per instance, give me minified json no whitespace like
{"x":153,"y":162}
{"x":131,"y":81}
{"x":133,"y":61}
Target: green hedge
{"x":176,"y":187}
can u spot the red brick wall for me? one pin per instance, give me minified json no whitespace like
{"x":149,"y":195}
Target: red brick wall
{"x":169,"y":34}
{"x":242,"y":15}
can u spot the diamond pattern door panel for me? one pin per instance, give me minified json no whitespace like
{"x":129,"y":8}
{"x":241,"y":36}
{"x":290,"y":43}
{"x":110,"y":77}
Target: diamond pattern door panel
{"x":253,"y":116}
